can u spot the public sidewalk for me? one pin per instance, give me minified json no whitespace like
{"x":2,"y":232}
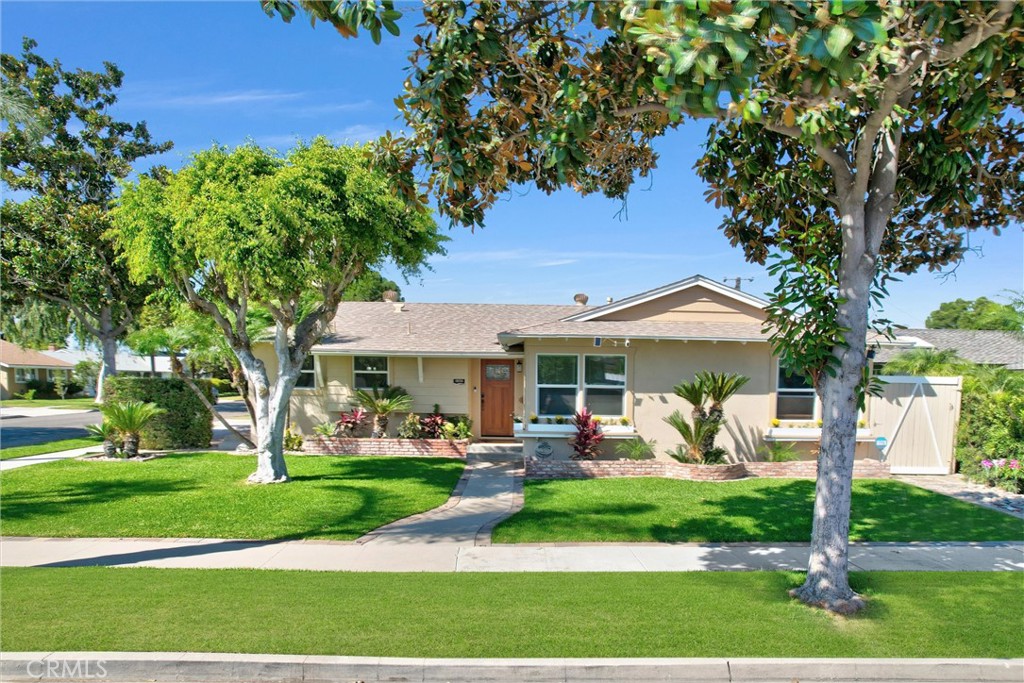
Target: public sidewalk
{"x":453,"y":557}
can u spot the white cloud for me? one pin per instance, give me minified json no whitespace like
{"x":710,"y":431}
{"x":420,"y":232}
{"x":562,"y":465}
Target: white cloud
{"x":556,"y":262}
{"x":356,"y":133}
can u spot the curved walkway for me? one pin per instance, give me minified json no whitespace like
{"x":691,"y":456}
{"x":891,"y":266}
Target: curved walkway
{"x":956,"y":486}
{"x":489,"y":491}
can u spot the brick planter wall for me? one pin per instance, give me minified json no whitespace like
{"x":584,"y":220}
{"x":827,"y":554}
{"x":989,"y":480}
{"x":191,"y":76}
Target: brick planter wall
{"x":438,"y":448}
{"x":601,"y":469}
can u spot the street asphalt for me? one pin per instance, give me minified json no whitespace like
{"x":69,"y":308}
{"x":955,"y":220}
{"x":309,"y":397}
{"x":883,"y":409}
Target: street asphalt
{"x":25,"y":431}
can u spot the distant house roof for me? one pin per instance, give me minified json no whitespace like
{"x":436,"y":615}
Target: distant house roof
{"x":988,"y":347}
{"x":13,"y":356}
{"x":126,"y":362}
{"x":430,"y":329}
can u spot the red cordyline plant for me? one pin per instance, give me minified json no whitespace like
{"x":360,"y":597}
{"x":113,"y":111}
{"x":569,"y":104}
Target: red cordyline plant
{"x":350,"y":421}
{"x":433,"y":426}
{"x":588,"y":435}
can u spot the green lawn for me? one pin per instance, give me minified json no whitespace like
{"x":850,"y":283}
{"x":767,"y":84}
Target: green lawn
{"x":76,"y":403}
{"x":205,"y":495}
{"x":664,"y":510}
{"x":698,"y":614}
{"x":48,"y":447}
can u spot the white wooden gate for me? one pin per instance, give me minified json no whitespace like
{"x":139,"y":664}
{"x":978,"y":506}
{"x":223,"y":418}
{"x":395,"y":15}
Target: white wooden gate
{"x":918,"y":417}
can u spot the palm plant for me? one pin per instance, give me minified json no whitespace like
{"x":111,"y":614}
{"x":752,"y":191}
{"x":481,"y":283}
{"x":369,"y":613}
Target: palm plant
{"x":693,"y":435}
{"x":694,"y":393}
{"x":110,"y":436}
{"x":923,"y":362}
{"x":720,"y":387}
{"x":128,"y":419}
{"x":382,"y":403}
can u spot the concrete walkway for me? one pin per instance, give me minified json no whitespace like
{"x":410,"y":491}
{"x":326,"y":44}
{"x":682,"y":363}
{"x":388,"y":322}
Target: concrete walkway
{"x":453,"y":557}
{"x":956,"y":486}
{"x":489,"y":491}
{"x":15,"y":463}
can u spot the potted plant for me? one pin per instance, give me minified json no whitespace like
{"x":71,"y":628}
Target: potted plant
{"x":111,"y":439}
{"x":128,"y":419}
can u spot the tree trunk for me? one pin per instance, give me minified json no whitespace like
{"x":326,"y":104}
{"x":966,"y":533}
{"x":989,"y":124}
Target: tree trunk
{"x":380,"y":426}
{"x":131,"y":445}
{"x":827,"y":584}
{"x":241,"y":385}
{"x":108,"y":344}
{"x":271,"y":410}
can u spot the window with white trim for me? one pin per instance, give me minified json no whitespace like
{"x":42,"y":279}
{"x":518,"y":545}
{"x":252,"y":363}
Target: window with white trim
{"x":604,"y":384}
{"x":796,"y":398}
{"x":370,"y":372}
{"x":307,"y":375}
{"x":25,"y":375}
{"x":557,"y":384}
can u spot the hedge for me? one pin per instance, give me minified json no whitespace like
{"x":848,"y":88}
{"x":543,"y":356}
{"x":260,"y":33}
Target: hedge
{"x":186,"y":424}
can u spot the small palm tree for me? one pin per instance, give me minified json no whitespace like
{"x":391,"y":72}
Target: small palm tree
{"x":693,"y":435}
{"x":110,"y":436}
{"x":382,"y":403}
{"x":720,"y":387}
{"x":128,"y":419}
{"x":694,"y":393}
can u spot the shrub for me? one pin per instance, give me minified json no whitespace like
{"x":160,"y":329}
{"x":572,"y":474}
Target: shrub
{"x":410,"y":427}
{"x":292,"y":439}
{"x":716,"y":456}
{"x":223,"y":386}
{"x":586,"y":443}
{"x":779,"y":451}
{"x":325,"y":429}
{"x":349,"y":422}
{"x":382,"y":403}
{"x":636,"y":449}
{"x":28,"y":395}
{"x":1004,"y":473}
{"x":459,"y":430}
{"x":41,"y":388}
{"x":186,"y":422}
{"x":432,"y":426}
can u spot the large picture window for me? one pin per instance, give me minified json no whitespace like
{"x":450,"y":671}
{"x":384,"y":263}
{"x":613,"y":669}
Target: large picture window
{"x":604,"y":384}
{"x":307,"y":376}
{"x":557,"y":384}
{"x":796,"y":398}
{"x":370,"y":372}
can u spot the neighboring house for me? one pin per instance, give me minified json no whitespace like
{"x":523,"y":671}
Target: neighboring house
{"x":127,"y":363}
{"x":496,"y":362}
{"x":986,"y":347}
{"x":20,"y":366}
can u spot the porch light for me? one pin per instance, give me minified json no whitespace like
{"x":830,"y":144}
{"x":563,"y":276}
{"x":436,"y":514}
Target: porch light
{"x":519,"y":366}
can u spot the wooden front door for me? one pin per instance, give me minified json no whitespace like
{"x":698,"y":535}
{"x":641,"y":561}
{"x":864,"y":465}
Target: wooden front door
{"x":497,"y":397}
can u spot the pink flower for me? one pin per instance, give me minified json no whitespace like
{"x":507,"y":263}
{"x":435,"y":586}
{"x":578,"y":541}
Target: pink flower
{"x":987,"y":464}
{"x":1014,"y":464}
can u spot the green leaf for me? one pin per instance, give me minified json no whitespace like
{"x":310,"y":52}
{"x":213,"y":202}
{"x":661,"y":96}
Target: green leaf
{"x":838,"y":39}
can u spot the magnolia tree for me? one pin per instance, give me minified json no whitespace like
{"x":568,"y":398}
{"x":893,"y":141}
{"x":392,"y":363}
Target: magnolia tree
{"x":244,"y":228}
{"x":63,"y":165}
{"x":849,"y":141}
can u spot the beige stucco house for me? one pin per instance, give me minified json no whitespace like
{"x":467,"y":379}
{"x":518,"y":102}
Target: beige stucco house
{"x":20,"y":366}
{"x":520,"y":371}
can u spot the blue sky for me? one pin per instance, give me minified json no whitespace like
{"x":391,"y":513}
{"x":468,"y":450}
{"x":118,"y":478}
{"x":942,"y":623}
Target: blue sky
{"x":200,"y":73}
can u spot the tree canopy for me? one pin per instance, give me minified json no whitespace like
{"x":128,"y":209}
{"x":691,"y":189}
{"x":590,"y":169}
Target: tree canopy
{"x":849,"y":141}
{"x":979,"y":314}
{"x":239,"y":229}
{"x":62,"y":183}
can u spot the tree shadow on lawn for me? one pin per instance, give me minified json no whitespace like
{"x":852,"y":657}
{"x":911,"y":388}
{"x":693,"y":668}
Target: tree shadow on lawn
{"x":71,"y":497}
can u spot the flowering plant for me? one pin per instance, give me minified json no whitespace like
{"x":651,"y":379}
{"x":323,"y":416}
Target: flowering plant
{"x":1004,"y":473}
{"x":588,"y":436}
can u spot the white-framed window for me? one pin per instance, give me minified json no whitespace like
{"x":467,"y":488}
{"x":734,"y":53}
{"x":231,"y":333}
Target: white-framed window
{"x":796,"y":398}
{"x":557,"y":384}
{"x":370,"y":372}
{"x":25,"y":375}
{"x":307,"y":375}
{"x":604,"y":384}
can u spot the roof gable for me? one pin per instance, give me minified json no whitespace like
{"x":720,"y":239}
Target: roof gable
{"x":13,"y":356}
{"x":695,"y":299}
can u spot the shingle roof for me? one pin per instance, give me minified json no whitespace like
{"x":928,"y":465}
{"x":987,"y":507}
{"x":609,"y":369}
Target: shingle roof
{"x":988,"y":347}
{"x":126,"y":362}
{"x":443,"y":329}
{"x":12,"y":355}
{"x":642,"y":330}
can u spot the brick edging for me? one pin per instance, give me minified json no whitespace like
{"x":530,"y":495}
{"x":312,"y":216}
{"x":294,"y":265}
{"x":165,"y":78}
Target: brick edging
{"x":601,"y":469}
{"x":454,"y":499}
{"x":427,"y":448}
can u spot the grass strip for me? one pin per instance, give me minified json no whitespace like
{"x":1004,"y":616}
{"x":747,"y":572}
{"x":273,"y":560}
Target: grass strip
{"x":712,"y":614}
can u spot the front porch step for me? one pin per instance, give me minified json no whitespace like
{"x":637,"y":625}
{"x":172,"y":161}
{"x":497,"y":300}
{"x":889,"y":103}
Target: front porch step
{"x":490,"y":450}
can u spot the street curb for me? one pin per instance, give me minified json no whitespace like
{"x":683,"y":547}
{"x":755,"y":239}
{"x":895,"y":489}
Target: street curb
{"x":232,"y":668}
